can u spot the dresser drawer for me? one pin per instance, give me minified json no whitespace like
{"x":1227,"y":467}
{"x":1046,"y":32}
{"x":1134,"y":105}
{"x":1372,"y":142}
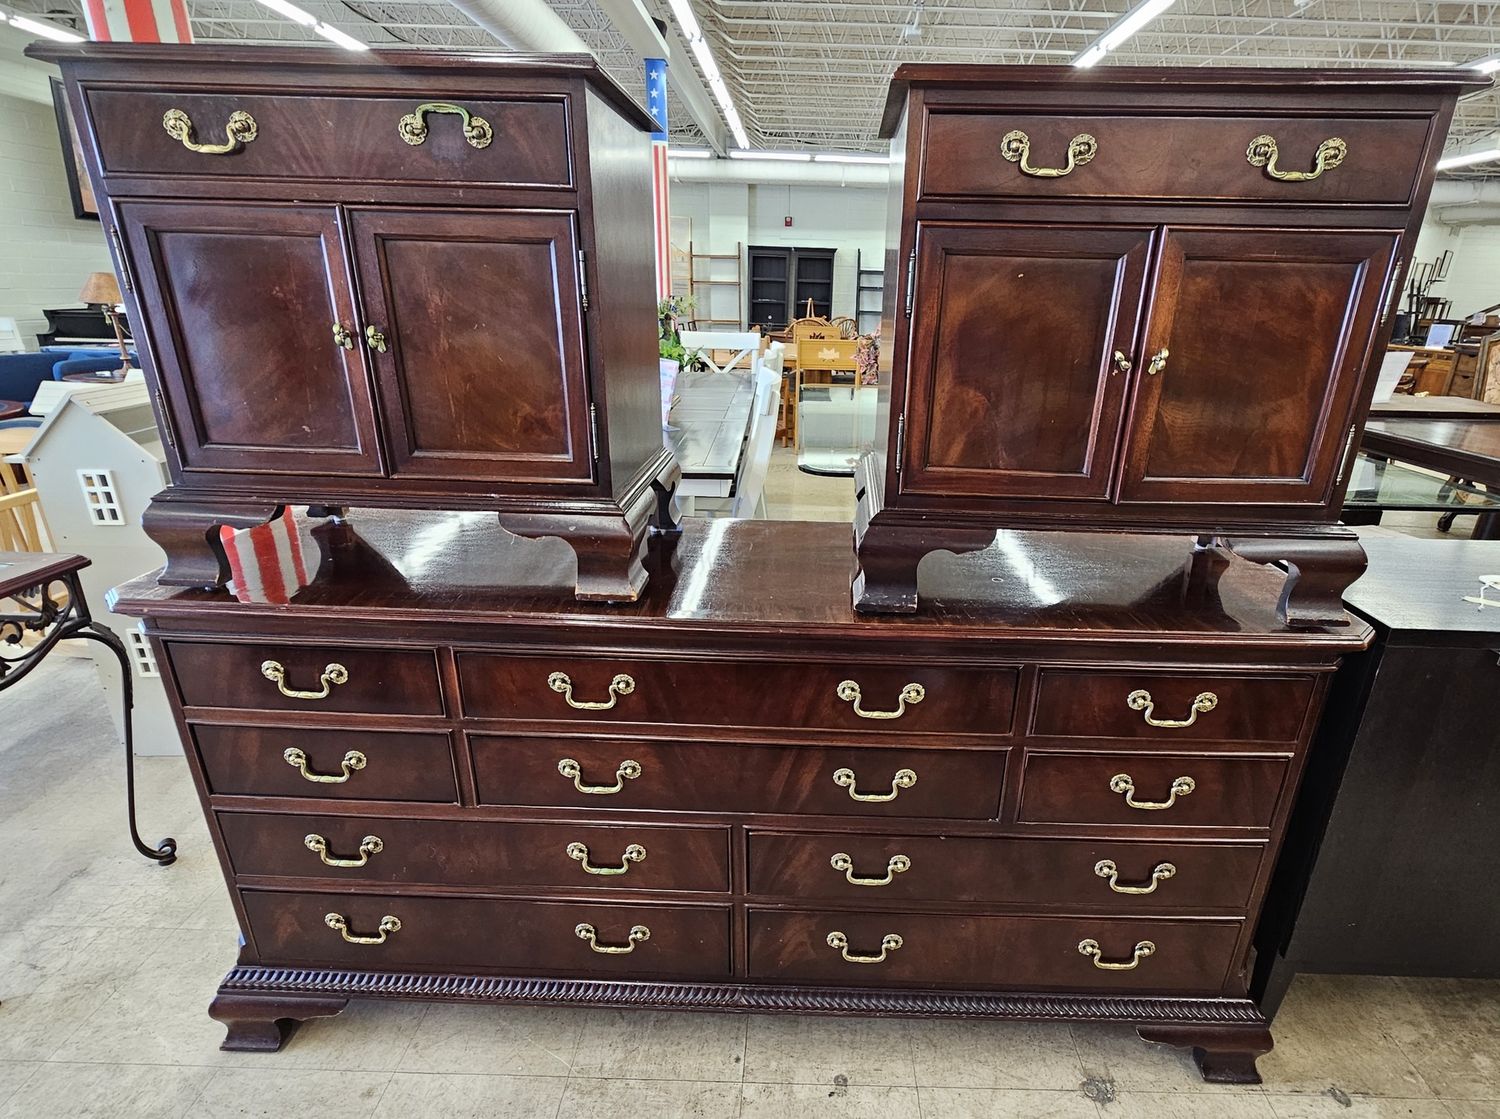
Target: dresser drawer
{"x":477,"y":853}
{"x":702,"y":777}
{"x":337,"y":764}
{"x":740,"y":694}
{"x":1186,"y":791}
{"x":1171,"y":707}
{"x":1189,"y":157}
{"x":1030,"y":953}
{"x":1125,"y":875}
{"x":317,"y":678}
{"x":458,"y":934}
{"x":313,"y":137}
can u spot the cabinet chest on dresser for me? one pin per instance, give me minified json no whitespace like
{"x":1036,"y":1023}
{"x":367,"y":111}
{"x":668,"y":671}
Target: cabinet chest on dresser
{"x":752,"y":799}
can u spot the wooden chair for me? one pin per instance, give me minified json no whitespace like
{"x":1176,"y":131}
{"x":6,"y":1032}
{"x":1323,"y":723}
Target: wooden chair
{"x":798,"y":330}
{"x":846,"y":326}
{"x":22,"y":527}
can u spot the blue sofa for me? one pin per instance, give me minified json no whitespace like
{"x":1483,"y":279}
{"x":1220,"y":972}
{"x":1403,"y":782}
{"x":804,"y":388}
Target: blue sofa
{"x":20,"y":374}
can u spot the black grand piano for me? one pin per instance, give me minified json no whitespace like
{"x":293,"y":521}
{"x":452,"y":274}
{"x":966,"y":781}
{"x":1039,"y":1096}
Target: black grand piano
{"x":80,"y":326}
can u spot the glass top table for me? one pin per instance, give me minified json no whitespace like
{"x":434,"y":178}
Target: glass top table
{"x":1380,"y":484}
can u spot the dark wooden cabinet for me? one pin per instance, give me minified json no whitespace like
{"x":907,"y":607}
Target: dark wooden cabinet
{"x":365,"y":281}
{"x":1139,"y":300}
{"x":782,"y":280}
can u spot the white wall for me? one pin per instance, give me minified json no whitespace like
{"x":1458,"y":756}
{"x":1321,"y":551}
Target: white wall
{"x":1473,"y":279}
{"x":45,"y":252}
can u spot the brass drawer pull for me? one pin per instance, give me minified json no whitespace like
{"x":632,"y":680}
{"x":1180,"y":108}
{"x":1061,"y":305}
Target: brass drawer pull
{"x":240,"y":130}
{"x":375,"y":339}
{"x":1105,"y":868}
{"x":413,"y":126}
{"x":904,"y":779}
{"x":341,"y":336}
{"x":888,"y":944}
{"x":332,"y":674}
{"x":848,"y":691}
{"x":1016,"y":147}
{"x":620,"y":685}
{"x":1262,"y":153}
{"x":1121,"y":783}
{"x":340,"y":924}
{"x":579,"y":852}
{"x":638,"y":933}
{"x":1091,"y":949}
{"x":298,"y":760}
{"x":1141,"y":701}
{"x":369,"y":845}
{"x":628,"y":771}
{"x":898,"y":864}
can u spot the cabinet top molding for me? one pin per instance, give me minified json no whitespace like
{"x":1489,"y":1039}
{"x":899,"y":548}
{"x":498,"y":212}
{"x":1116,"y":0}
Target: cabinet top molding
{"x":1146,"y":80}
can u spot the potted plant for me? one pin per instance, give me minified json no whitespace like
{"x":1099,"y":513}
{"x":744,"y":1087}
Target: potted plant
{"x":673,"y":354}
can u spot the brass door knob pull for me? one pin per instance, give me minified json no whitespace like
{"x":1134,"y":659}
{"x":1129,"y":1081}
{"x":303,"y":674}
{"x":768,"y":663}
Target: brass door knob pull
{"x":897,"y":864}
{"x":629,"y":770}
{"x":413,"y":126}
{"x":332,"y":674}
{"x":638,"y":933}
{"x":375,"y":339}
{"x":1122,"y":363}
{"x":579,"y":852}
{"x":1121,"y":783}
{"x":341,"y":336}
{"x":849,"y":692}
{"x":888,"y":944}
{"x":1141,"y":701}
{"x":904,"y":779}
{"x":1016,"y":147}
{"x":561,"y":683}
{"x":1262,"y":152}
{"x":353,"y":760}
{"x":340,"y":924}
{"x":1158,"y":362}
{"x":1105,"y":868}
{"x":369,"y":845}
{"x":1091,"y":949}
{"x":240,"y":130}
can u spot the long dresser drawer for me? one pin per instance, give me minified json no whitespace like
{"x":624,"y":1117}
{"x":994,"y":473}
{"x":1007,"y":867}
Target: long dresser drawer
{"x":339,"y":764}
{"x":1024,"y":953}
{"x":321,"y":678}
{"x":453,"y":934}
{"x":870,"y":699}
{"x":477,"y":853}
{"x":703,"y":777}
{"x":1231,"y":711}
{"x":1126,"y":875}
{"x":1154,"y":790}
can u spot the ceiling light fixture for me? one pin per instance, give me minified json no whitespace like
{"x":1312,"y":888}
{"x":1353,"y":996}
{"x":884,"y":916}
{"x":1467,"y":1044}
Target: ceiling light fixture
{"x":1123,"y":28}
{"x":693,"y":33}
{"x":784,"y":157}
{"x":307,"y":19}
{"x":689,"y":153}
{"x":44,"y":29}
{"x":291,"y":11}
{"x":849,"y":157}
{"x":334,"y":35}
{"x":1489,"y":155}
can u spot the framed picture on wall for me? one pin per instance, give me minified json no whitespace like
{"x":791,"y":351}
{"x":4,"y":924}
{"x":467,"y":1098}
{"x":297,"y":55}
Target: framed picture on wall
{"x":79,"y":187}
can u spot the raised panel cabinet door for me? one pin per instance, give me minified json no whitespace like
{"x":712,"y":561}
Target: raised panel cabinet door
{"x":251,"y":319}
{"x":474,"y":324}
{"x":1255,"y":344}
{"x":1014,"y":388}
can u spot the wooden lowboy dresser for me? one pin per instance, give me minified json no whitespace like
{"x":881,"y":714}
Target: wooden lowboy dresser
{"x":1058,"y":793}
{"x":412,"y":280}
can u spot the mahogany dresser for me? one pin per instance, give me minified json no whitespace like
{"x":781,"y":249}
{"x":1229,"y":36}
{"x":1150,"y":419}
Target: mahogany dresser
{"x":1140,"y":300}
{"x":1058,"y":793}
{"x":406,"y":279}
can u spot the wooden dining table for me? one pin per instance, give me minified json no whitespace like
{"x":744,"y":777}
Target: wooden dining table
{"x":707,"y":429}
{"x":1459,"y":445}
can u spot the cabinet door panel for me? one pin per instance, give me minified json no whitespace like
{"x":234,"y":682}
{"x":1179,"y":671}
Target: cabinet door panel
{"x":1267,"y":333}
{"x":483,"y":371}
{"x":241,"y":302}
{"x":1013,"y":388}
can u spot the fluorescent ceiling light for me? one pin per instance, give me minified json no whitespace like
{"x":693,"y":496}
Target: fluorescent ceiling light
{"x":1486,"y":65}
{"x":1489,"y":155}
{"x":842,"y":157}
{"x":45,"y":30}
{"x":693,"y":33}
{"x":1123,"y":28}
{"x":785,"y":157}
{"x":688,"y":153}
{"x":334,"y":35}
{"x":291,"y":11}
{"x":706,"y":62}
{"x":686,"y":20}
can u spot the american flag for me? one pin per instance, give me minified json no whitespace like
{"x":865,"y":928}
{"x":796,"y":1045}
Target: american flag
{"x":137,"y":21}
{"x":656,"y":102}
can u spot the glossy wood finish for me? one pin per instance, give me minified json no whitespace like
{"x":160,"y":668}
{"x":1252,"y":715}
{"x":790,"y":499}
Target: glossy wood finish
{"x":250,"y":761}
{"x":1468,"y":447}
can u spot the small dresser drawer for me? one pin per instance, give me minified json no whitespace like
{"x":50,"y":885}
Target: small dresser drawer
{"x":457,"y":934}
{"x":869,"y":699}
{"x":1124,"y":875}
{"x":477,"y":853}
{"x":520,"y":142}
{"x":1153,"y":790}
{"x":315,"y":678}
{"x":986,"y":154}
{"x":1171,"y":707}
{"x":322,"y":764}
{"x":704,"y":777}
{"x":1027,"y":953}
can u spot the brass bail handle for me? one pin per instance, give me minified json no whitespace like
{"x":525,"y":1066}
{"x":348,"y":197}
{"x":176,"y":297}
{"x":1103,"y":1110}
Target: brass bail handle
{"x":628,"y":770}
{"x":370,"y":845}
{"x":845,"y":779}
{"x":340,"y":924}
{"x":1262,"y":152}
{"x":240,"y":130}
{"x":849,"y":692}
{"x":561,"y":683}
{"x":896,"y":864}
{"x":1140,"y":700}
{"x":1121,"y":783}
{"x":1016,"y":147}
{"x":1091,"y":949}
{"x":637,"y":934}
{"x":889,"y":943}
{"x":579,"y":852}
{"x":1106,"y":869}
{"x":413,"y":126}
{"x":332,"y":674}
{"x":297,"y":759}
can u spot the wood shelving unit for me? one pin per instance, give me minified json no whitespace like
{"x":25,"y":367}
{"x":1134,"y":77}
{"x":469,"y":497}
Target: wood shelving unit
{"x":708,"y":287}
{"x":867,"y":282}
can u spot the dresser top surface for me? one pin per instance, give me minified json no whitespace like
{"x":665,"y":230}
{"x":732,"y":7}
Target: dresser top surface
{"x":778,"y":578}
